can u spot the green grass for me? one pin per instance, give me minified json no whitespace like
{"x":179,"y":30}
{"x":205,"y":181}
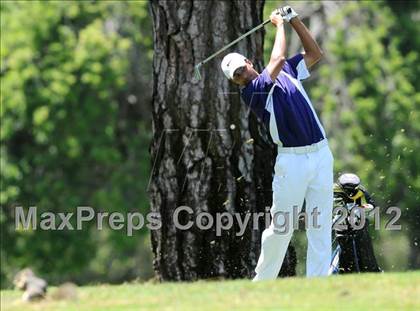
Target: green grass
{"x":393,"y":291}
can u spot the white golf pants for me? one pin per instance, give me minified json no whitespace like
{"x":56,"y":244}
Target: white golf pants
{"x":302,"y":175}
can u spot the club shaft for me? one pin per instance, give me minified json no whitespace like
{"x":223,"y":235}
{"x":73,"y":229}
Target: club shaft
{"x":234,"y":42}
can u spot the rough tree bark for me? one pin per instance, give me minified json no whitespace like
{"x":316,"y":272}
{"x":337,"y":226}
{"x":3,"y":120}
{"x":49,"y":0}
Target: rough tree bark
{"x":202,"y":152}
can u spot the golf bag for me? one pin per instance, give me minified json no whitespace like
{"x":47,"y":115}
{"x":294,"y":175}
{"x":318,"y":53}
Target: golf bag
{"x":353,"y":250}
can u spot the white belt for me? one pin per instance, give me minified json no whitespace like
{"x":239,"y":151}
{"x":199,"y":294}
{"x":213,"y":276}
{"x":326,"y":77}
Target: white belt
{"x":304,"y":149}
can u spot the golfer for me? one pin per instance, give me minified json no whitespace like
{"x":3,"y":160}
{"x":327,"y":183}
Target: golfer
{"x":304,"y":163}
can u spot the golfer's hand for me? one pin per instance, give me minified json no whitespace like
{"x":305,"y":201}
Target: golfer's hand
{"x":287,"y":13}
{"x":276,"y":18}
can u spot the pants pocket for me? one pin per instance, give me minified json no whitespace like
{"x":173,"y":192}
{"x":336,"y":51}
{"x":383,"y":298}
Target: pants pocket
{"x":281,"y":165}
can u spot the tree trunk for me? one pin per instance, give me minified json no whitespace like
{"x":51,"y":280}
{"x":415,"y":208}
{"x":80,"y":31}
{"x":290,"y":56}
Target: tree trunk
{"x":202,"y":152}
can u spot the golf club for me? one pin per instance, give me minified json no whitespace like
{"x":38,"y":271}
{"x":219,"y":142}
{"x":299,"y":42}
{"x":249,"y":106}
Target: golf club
{"x":198,"y":66}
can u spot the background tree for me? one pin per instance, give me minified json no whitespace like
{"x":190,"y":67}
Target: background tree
{"x":74,"y":88}
{"x":201,"y":156}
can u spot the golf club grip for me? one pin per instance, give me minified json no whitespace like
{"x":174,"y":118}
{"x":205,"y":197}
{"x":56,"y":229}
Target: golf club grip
{"x":289,"y":10}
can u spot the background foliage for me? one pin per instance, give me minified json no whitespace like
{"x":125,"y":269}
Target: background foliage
{"x":75,"y":87}
{"x":75,"y":123}
{"x":367,"y":93}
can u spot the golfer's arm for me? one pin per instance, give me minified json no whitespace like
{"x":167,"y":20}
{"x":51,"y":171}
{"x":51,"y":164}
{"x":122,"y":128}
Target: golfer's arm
{"x":313,"y":52}
{"x":277,"y":58}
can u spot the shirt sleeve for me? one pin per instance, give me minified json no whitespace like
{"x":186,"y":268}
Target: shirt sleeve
{"x":255,"y":93}
{"x":296,"y":67}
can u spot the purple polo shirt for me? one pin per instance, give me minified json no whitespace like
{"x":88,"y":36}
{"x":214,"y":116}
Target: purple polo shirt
{"x":286,"y":111}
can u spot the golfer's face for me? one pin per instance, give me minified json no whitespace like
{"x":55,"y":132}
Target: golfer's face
{"x":243,"y":75}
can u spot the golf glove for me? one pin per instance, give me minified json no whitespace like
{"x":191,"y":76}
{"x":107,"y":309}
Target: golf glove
{"x":287,"y":13}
